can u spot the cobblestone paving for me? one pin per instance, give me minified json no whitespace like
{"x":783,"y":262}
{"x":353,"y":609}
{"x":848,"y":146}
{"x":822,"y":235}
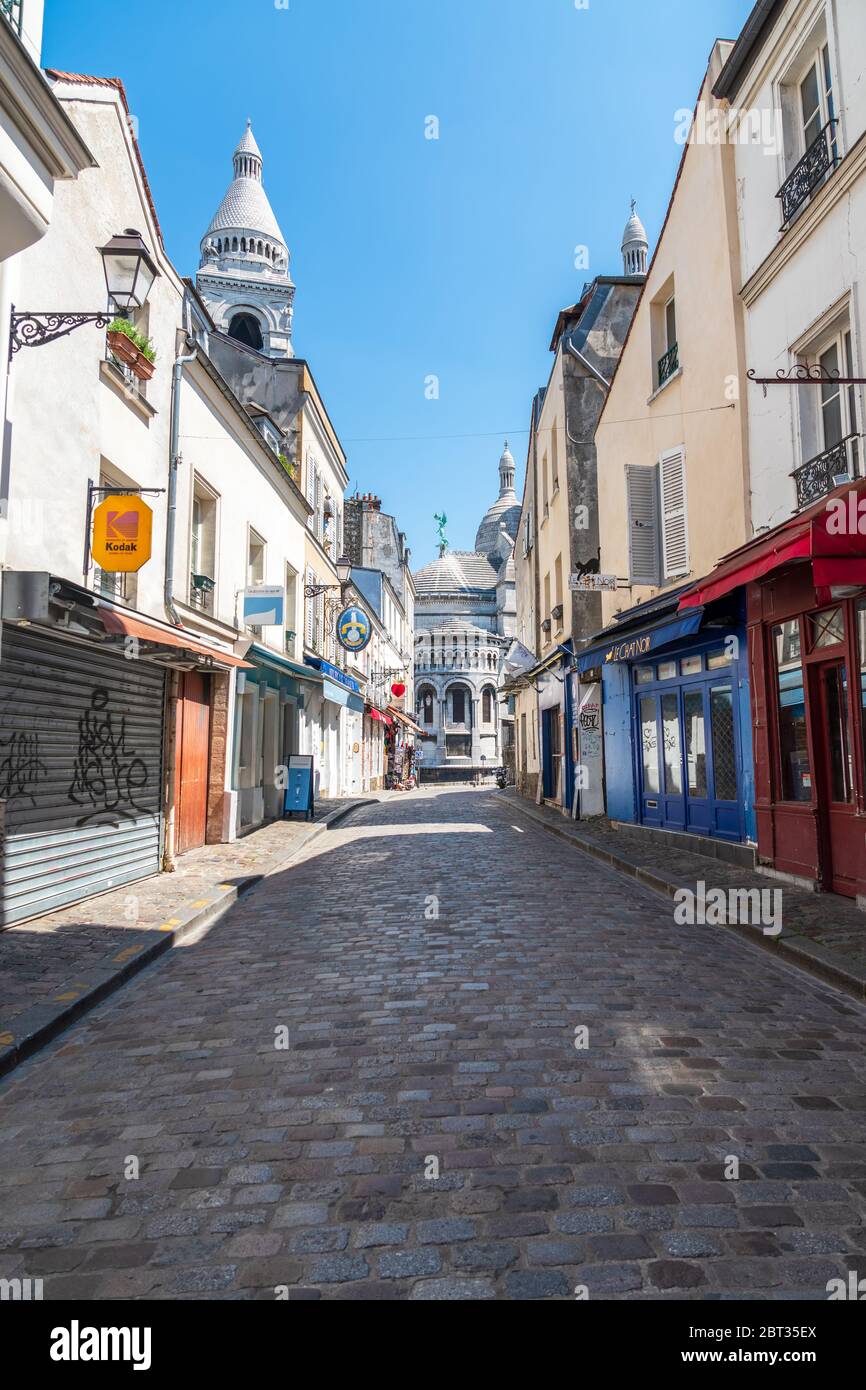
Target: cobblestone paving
{"x":416,"y":1041}
{"x":39,"y":956}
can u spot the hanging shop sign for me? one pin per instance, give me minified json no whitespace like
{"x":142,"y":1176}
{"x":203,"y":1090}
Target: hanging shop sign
{"x":265,"y":606}
{"x":592,"y":583}
{"x":398,"y":690}
{"x":354,"y":629}
{"x":122,"y":530}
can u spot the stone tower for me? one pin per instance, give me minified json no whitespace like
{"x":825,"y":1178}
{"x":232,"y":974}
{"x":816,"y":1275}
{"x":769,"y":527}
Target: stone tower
{"x":244,"y":271}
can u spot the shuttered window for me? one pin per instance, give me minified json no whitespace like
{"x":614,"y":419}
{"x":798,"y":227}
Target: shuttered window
{"x":675,"y":527}
{"x":642,"y":491}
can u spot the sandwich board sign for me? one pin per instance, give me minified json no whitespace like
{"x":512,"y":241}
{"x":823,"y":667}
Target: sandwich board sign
{"x":264,"y":606}
{"x":299,"y":792}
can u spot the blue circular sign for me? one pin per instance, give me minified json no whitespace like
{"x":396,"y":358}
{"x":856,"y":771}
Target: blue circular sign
{"x":354,"y":629}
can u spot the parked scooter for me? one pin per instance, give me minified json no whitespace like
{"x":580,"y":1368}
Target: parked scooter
{"x":502,"y":778}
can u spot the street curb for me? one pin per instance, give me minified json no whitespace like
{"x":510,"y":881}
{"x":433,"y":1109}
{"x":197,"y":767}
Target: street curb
{"x":41,"y":1024}
{"x":809,"y":956}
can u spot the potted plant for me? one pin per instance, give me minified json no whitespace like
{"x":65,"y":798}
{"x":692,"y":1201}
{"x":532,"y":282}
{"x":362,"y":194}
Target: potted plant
{"x":132,"y":348}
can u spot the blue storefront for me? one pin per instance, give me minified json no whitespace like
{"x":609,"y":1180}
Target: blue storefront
{"x":677,"y":719}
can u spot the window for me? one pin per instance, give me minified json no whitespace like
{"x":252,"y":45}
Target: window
{"x":557,"y":584}
{"x":487,"y":706}
{"x":291,"y":612}
{"x":675,"y":530}
{"x":545,"y":486}
{"x":644,"y":547}
{"x":816,"y":102}
{"x":696,"y":746}
{"x":255,"y":569}
{"x":554,"y":446}
{"x":672,"y":748}
{"x":425,"y":706}
{"x":717,"y":661}
{"x":202,"y":549}
{"x":121,"y":588}
{"x":649,"y":746}
{"x":827,"y":629}
{"x":668,"y":359}
{"x":547,"y":595}
{"x":644,"y":675}
{"x":245,"y":328}
{"x":691,"y":665}
{"x":724,"y":742}
{"x":861,"y":629}
{"x":458,"y":707}
{"x":667,"y":670}
{"x":796,"y":772}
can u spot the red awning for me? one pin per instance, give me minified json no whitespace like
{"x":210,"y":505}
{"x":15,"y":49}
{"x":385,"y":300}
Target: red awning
{"x":827,"y":533}
{"x":377,"y":716}
{"x":124,"y":624}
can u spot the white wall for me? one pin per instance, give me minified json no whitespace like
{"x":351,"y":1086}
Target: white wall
{"x":794,"y":280}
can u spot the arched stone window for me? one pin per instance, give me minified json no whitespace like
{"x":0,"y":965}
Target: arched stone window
{"x":427,"y":705}
{"x":458,"y":707}
{"x":245,"y":328}
{"x":488,"y":704}
{"x":234,"y":243}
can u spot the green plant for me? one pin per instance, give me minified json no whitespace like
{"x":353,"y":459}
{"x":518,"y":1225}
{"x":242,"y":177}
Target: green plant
{"x":129,"y":330}
{"x":288,"y":466}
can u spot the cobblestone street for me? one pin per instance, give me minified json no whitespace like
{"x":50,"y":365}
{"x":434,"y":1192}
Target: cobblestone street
{"x":420,"y":1043}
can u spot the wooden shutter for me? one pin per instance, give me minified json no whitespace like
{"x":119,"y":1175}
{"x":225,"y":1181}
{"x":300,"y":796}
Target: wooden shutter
{"x":675,"y":526}
{"x":642,"y":491}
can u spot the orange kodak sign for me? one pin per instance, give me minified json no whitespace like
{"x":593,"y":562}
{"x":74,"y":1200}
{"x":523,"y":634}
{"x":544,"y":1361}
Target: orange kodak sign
{"x":122,"y":528}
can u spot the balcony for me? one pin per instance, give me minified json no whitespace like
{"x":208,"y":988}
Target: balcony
{"x":817,"y":477}
{"x":669,"y":364}
{"x":805,"y":177}
{"x":11,"y":10}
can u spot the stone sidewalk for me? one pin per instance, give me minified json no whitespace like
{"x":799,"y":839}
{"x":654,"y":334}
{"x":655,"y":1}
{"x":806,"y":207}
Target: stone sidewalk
{"x":822,"y":933}
{"x":53,"y":968}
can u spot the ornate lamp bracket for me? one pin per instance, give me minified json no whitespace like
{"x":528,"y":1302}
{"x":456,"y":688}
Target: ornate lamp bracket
{"x":34,"y":329}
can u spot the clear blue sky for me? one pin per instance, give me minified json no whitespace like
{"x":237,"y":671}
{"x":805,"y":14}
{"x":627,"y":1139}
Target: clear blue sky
{"x":414,"y":257}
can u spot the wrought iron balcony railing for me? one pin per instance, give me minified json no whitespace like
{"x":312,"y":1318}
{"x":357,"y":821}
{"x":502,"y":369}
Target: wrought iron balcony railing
{"x":812,"y":169}
{"x":817,"y":477}
{"x":11,"y":10}
{"x":669,"y":364}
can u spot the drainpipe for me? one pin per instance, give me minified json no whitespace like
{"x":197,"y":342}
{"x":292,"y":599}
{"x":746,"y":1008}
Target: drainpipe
{"x":174,"y":461}
{"x":173,"y":691}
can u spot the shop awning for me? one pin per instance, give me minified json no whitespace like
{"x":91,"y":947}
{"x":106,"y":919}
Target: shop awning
{"x":125,"y":625}
{"x":639,"y":642}
{"x":356,"y":704}
{"x":405,"y":720}
{"x":337,"y":694}
{"x":284,"y":663}
{"x":827,"y":534}
{"x":377,"y":716}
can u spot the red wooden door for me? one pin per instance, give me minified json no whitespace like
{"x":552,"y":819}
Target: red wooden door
{"x":192,"y":761}
{"x":833,"y":751}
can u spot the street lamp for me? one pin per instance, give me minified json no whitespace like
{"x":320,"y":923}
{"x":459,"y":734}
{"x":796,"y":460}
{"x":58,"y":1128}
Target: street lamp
{"x":344,"y":574}
{"x":129,"y":271}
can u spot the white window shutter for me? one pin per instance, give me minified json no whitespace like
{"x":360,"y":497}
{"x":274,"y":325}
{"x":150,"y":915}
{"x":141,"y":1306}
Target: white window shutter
{"x":311,"y":492}
{"x":675,"y":522}
{"x":309,"y":612}
{"x":642,"y":492}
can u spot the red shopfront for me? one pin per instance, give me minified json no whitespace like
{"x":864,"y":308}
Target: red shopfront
{"x":805,"y":587}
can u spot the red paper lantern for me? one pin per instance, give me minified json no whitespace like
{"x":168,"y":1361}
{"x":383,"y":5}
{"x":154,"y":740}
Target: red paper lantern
{"x":398,"y":690}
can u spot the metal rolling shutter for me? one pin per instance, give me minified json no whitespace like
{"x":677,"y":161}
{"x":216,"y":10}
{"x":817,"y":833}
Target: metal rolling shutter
{"x":80,"y":771}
